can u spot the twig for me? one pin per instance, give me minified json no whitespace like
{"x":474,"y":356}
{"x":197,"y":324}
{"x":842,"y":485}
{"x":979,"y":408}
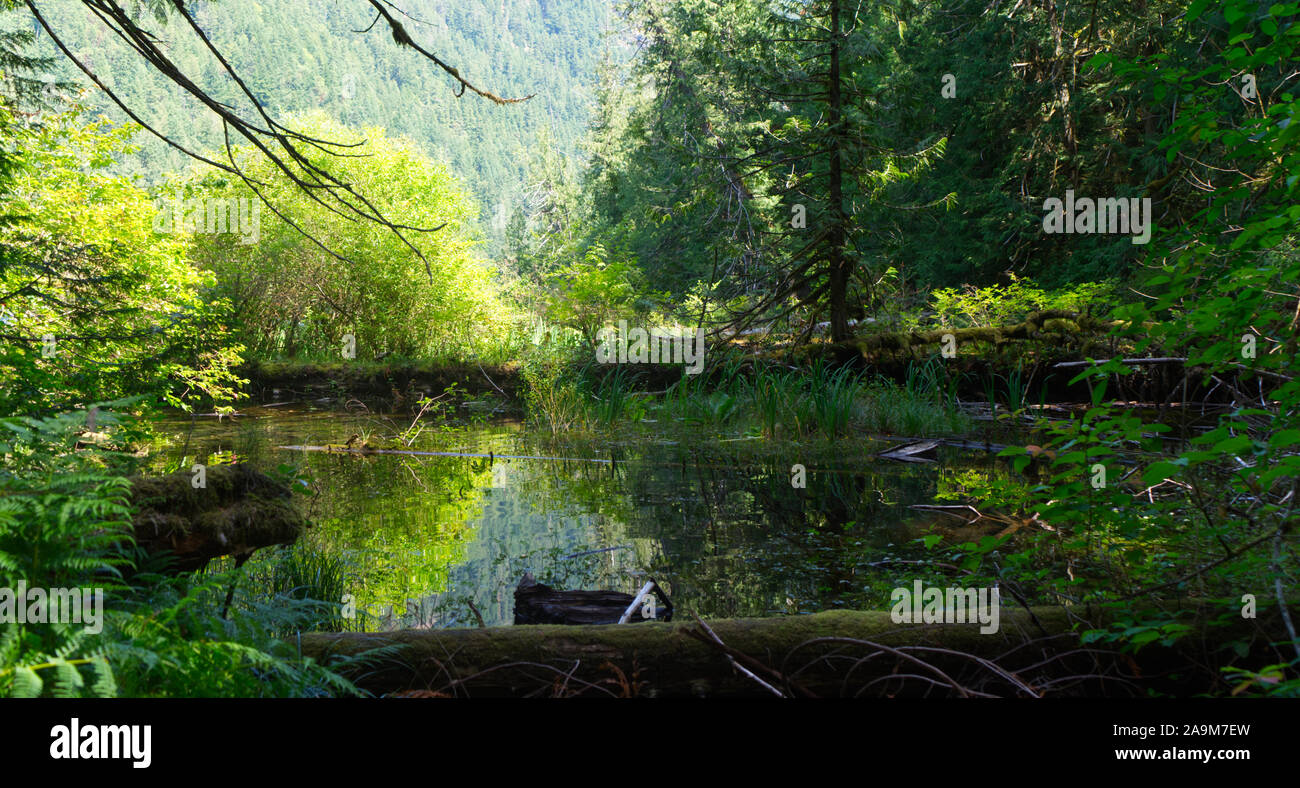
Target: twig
{"x":1281,"y":597}
{"x":636,"y":601}
{"x":1130,"y":361}
{"x":965,"y":693}
{"x":726,"y":651}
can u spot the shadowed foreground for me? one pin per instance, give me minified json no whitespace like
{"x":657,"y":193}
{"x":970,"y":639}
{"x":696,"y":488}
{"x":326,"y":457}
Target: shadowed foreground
{"x":831,"y":654}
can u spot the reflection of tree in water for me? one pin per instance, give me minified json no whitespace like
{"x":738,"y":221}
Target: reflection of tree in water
{"x":719,"y":525}
{"x":401,"y":522}
{"x":733,"y":537}
{"x":525,"y":526}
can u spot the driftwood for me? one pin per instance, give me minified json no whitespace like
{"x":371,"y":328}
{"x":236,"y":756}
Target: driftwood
{"x":537,"y":603}
{"x":915,"y":451}
{"x":237,"y":511}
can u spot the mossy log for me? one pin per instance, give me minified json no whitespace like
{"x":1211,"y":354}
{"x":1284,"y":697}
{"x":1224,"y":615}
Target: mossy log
{"x":830,"y":654}
{"x":237,"y":511}
{"x":1048,"y":325}
{"x":405,"y":381}
{"x":666,"y":659}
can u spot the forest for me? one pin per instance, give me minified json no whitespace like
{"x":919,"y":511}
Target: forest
{"x":797,"y":348}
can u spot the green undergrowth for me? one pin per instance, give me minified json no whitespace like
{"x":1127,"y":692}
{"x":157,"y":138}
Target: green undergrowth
{"x":771,"y":402}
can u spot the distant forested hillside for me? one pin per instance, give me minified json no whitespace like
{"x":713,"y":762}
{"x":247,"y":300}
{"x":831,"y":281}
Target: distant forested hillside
{"x":298,"y":57}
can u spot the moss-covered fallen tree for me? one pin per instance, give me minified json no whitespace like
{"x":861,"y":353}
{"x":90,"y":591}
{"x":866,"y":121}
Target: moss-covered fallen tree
{"x":831,"y":654}
{"x":1057,"y":328}
{"x":236,"y":511}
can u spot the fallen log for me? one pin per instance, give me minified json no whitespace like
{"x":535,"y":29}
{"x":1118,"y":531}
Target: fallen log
{"x":1052,"y":325}
{"x":235,"y":512}
{"x":1035,"y":652}
{"x":660,"y":659}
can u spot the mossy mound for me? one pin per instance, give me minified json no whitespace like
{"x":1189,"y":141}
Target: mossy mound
{"x":236,"y":511}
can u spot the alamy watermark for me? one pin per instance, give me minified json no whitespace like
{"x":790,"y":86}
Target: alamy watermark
{"x":95,"y":742}
{"x":23,"y":605}
{"x":956,"y":605}
{"x":655,"y":346}
{"x":236,"y":215}
{"x":1123,"y":215}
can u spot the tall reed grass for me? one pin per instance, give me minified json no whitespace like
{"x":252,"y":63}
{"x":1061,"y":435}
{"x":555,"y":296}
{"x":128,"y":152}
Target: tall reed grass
{"x":824,"y":401}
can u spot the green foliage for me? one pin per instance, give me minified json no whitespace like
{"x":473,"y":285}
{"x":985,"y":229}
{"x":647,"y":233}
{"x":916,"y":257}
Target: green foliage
{"x":549,"y":371}
{"x":311,"y":58}
{"x":96,"y":306}
{"x":295,"y":298}
{"x":592,"y":293}
{"x":726,"y":122}
{"x":127,"y":316}
{"x":1010,"y":303}
{"x":722,"y":125}
{"x":833,"y":403}
{"x":62,"y":518}
{"x":170,"y":640}
{"x":304,"y":573}
{"x":1213,"y":518}
{"x":1025,"y":121}
{"x":64,"y":523}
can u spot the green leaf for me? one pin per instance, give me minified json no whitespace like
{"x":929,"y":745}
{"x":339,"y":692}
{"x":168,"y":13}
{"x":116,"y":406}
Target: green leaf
{"x":1284,"y":438}
{"x":1159,"y":471}
{"x":1234,"y":444}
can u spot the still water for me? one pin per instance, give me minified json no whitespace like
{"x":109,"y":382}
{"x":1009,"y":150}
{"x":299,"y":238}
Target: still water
{"x":718,"y":521}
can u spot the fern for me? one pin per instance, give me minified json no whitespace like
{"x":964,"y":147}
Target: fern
{"x":65,"y":523}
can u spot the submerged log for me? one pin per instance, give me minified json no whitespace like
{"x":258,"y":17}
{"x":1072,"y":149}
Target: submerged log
{"x":237,"y":511}
{"x":537,"y":603}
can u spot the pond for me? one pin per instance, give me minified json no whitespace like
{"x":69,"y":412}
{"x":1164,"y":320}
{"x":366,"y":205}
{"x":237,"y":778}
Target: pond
{"x":717,"y":520}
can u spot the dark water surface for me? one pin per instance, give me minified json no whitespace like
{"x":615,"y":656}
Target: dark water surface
{"x":715,"y":519}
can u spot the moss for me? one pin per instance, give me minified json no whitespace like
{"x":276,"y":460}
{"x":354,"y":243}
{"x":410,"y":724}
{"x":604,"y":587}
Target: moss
{"x":505,"y":660}
{"x":673,"y":662}
{"x":237,"y":511}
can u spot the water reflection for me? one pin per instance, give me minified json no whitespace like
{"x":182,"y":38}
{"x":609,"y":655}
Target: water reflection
{"x":718,"y":523}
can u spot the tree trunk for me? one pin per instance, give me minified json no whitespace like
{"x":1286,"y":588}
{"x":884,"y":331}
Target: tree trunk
{"x":667,"y":660}
{"x":839,"y":263}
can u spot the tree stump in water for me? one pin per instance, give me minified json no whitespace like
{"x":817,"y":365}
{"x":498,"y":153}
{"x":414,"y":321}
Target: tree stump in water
{"x":537,"y":603}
